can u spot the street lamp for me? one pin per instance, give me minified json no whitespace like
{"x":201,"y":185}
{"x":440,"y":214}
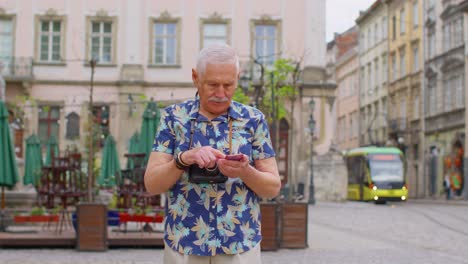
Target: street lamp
{"x":311,"y":130}
{"x":244,"y":83}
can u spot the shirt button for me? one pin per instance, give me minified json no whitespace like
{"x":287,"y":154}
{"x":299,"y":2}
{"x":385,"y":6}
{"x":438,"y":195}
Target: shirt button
{"x":214,"y":206}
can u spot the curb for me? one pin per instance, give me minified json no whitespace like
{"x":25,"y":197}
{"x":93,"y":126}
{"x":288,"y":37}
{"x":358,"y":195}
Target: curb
{"x":439,"y":202}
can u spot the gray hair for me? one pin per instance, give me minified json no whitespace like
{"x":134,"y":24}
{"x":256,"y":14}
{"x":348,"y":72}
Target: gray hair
{"x":216,"y":54}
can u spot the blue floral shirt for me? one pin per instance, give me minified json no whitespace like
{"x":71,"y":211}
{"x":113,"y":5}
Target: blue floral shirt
{"x":210,"y":219}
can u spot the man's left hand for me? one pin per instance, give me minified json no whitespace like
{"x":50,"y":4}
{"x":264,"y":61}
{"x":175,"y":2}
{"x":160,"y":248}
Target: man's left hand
{"x":232,"y":168}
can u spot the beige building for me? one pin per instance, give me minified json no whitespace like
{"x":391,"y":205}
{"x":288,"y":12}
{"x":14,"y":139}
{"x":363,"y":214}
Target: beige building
{"x":347,"y":91}
{"x":145,"y":50}
{"x":404,"y":90}
{"x":373,"y":81}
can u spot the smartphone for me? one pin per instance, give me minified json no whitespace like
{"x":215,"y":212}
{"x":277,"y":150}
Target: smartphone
{"x":237,"y":157}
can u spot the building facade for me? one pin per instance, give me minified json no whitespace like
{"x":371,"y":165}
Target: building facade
{"x":145,"y":50}
{"x":405,"y":49}
{"x":444,"y":93}
{"x":373,"y":79}
{"x":347,"y":91}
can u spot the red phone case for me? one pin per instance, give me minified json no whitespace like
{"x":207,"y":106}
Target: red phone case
{"x":237,"y":157}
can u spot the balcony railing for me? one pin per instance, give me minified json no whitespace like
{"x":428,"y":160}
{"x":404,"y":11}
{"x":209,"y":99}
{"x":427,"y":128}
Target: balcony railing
{"x":397,"y":124}
{"x":16,"y":68}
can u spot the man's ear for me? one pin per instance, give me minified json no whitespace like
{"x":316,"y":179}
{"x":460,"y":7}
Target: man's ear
{"x":194,"y":77}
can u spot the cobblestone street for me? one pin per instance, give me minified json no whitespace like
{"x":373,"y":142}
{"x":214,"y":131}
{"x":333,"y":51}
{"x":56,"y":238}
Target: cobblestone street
{"x":348,"y":232}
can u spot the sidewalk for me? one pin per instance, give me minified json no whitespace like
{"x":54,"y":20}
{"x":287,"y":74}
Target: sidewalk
{"x":439,"y":201}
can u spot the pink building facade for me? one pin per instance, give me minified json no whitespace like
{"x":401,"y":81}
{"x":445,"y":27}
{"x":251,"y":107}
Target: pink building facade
{"x":144,"y":50}
{"x":347,"y":92}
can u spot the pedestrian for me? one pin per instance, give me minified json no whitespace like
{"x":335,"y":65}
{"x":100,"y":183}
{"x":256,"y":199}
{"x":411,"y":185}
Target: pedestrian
{"x":447,"y":187}
{"x":212,"y":206}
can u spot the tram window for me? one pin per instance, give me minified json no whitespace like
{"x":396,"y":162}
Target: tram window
{"x":354,"y":165}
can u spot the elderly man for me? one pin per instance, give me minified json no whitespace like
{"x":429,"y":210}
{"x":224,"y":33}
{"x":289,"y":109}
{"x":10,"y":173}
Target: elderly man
{"x":212,"y":208}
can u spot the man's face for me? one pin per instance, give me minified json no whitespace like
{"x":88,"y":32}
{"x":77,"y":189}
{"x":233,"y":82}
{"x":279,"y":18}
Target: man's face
{"x":216,"y":88}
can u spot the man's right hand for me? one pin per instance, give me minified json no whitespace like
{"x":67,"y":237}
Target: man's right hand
{"x":204,"y":157}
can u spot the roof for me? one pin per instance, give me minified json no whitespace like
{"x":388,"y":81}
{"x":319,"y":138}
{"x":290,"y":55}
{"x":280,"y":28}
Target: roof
{"x":364,"y":14}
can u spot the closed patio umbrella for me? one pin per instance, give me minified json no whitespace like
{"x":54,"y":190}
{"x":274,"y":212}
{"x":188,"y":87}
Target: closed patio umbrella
{"x":133,"y":147}
{"x":110,"y":164}
{"x":52,"y":150}
{"x":148,"y":128}
{"x":8,"y":169}
{"x":33,"y":160}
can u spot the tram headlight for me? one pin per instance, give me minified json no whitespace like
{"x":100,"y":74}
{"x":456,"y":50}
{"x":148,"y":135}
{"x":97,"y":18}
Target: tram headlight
{"x":376,"y":198}
{"x":374,"y":188}
{"x":403,"y":198}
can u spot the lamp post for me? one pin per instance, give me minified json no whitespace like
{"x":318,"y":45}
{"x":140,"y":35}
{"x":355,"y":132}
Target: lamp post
{"x":311,"y":130}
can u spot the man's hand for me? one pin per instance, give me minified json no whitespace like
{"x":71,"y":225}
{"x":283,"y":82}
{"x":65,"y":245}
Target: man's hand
{"x":233,"y":168}
{"x":205,"y":157}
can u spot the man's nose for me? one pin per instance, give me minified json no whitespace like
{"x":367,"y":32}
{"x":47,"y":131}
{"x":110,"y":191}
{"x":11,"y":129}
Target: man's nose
{"x":219,"y":91}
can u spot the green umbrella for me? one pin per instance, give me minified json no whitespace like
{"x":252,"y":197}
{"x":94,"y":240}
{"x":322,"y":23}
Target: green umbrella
{"x":8,"y":169}
{"x":133,"y":147}
{"x":110,"y":164}
{"x":33,"y":160}
{"x":148,"y":128}
{"x":52,"y":150}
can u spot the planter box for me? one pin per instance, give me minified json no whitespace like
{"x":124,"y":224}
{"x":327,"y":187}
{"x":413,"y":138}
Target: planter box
{"x":294,"y":219}
{"x":270,"y":225}
{"x":35,"y":218}
{"x":91,"y":227}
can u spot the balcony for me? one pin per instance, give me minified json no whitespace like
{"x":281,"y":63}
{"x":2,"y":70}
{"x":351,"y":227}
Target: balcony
{"x":397,"y":125}
{"x":16,"y":68}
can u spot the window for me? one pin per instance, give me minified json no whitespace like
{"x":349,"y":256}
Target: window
{"x":164,"y":44}
{"x":459,"y":91}
{"x":369,"y":78}
{"x":376,"y":73}
{"x":458,"y":28}
{"x":102,"y":35}
{"x":415,"y":14}
{"x":431,"y":43}
{"x":447,"y":85}
{"x":402,"y":21}
{"x":214,"y":34}
{"x":416,"y":107}
{"x":394,"y":70}
{"x":363,"y":78}
{"x":369,"y":37}
{"x":362,"y":42}
{"x":265,"y":43}
{"x":393,"y":27}
{"x":50,"y":41}
{"x":415,"y":58}
{"x":384,"y":27}
{"x":431,"y":90}
{"x":73,"y":126}
{"x":402,"y":63}
{"x":49,"y":117}
{"x":351,"y":127}
{"x":376,"y":33}
{"x":447,"y":37}
{"x":403,"y":113}
{"x":384,"y":68}
{"x":6,"y":44}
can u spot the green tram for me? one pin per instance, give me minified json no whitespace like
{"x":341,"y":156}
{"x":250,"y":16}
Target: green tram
{"x":376,"y":174}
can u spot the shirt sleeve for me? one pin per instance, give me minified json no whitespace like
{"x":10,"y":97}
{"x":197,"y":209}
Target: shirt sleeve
{"x":165,"y":136}
{"x":262,"y":147}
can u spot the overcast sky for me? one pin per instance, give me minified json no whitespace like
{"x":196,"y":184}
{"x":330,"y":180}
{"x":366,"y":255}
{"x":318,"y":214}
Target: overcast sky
{"x":341,"y":14}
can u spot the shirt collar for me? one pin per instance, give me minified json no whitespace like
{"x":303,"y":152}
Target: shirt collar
{"x":234,"y":110}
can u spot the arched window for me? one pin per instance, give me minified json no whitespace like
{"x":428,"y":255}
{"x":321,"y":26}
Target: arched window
{"x":73,"y":126}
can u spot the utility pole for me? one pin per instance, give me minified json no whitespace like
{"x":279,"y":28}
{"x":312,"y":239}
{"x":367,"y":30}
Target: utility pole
{"x":92,"y":63}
